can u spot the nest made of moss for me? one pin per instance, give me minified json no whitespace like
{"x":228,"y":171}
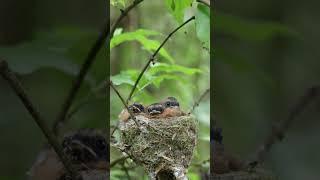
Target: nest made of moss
{"x":160,"y":144}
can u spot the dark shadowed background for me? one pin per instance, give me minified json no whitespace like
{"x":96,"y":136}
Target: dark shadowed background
{"x":266,"y":58}
{"x":45,"y":43}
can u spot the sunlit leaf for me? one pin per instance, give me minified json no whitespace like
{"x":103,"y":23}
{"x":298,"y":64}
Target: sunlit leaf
{"x":193,"y":176}
{"x":118,"y":3}
{"x":168,"y":68}
{"x":203,"y":24}
{"x":158,"y":79}
{"x":142,"y":36}
{"x":178,"y":7}
{"x":250,"y":30}
{"x":122,"y":78}
{"x":155,"y":75}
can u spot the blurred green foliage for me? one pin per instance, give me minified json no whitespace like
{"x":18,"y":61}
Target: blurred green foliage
{"x":181,"y":69}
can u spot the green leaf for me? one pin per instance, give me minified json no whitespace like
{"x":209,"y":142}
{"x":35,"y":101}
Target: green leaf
{"x":30,"y":57}
{"x":168,"y":68}
{"x":130,"y":36}
{"x":203,"y":24}
{"x":155,"y":76}
{"x":141,"y":36}
{"x":158,"y":79}
{"x":118,"y":3}
{"x":79,"y":50}
{"x":250,"y":30}
{"x":129,"y":77}
{"x":122,"y":78}
{"x":193,"y":176}
{"x":177,"y":8}
{"x":46,"y":50}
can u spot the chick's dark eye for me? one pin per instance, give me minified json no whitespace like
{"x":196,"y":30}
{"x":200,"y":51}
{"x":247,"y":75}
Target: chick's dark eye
{"x":168,"y":104}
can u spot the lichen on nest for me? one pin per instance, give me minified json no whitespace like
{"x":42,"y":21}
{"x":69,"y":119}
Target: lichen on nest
{"x":160,"y":144}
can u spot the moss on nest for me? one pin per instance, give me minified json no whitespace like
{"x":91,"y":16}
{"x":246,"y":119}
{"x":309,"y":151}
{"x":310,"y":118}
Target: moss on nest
{"x":164,"y":144}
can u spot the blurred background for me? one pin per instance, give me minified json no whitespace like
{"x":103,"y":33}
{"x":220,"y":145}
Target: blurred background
{"x":266,"y":57}
{"x":45,"y":43}
{"x":181,"y":70}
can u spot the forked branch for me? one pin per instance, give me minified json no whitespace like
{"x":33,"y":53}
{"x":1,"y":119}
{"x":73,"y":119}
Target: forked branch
{"x":196,"y":104}
{"x":124,"y":103}
{"x":152,"y":58}
{"x":81,"y":76}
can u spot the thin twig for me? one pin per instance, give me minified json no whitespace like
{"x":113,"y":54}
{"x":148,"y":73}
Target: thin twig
{"x":116,"y":161}
{"x":114,"y":129}
{"x":205,"y":2}
{"x":105,"y":34}
{"x":81,"y":76}
{"x":123,"y":14}
{"x":196,"y":104}
{"x":152,"y":58}
{"x":278,"y":132}
{"x":126,"y":171}
{"x":124,"y":103}
{"x":87,"y":100}
{"x":13,"y":81}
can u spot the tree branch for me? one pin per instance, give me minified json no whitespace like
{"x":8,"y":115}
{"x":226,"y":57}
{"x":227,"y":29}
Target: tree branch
{"x":123,"y":158}
{"x":123,"y":14}
{"x":87,"y":100}
{"x":13,"y":81}
{"x":124,"y":103}
{"x":80,"y":77}
{"x":278,"y":132}
{"x":105,"y":34}
{"x":196,"y":104}
{"x":151,"y":59}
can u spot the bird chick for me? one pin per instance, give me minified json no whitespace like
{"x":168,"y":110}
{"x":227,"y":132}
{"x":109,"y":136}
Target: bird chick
{"x":223,"y":161}
{"x":135,"y":108}
{"x":171,"y":107}
{"x":155,"y":110}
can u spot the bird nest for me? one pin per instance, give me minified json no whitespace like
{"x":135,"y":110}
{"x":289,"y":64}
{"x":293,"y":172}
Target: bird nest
{"x":164,"y":146}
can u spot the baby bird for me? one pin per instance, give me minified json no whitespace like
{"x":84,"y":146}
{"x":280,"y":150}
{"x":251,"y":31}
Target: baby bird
{"x":135,"y":108}
{"x":155,"y":110}
{"x":171,"y":107}
{"x":223,"y":161}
